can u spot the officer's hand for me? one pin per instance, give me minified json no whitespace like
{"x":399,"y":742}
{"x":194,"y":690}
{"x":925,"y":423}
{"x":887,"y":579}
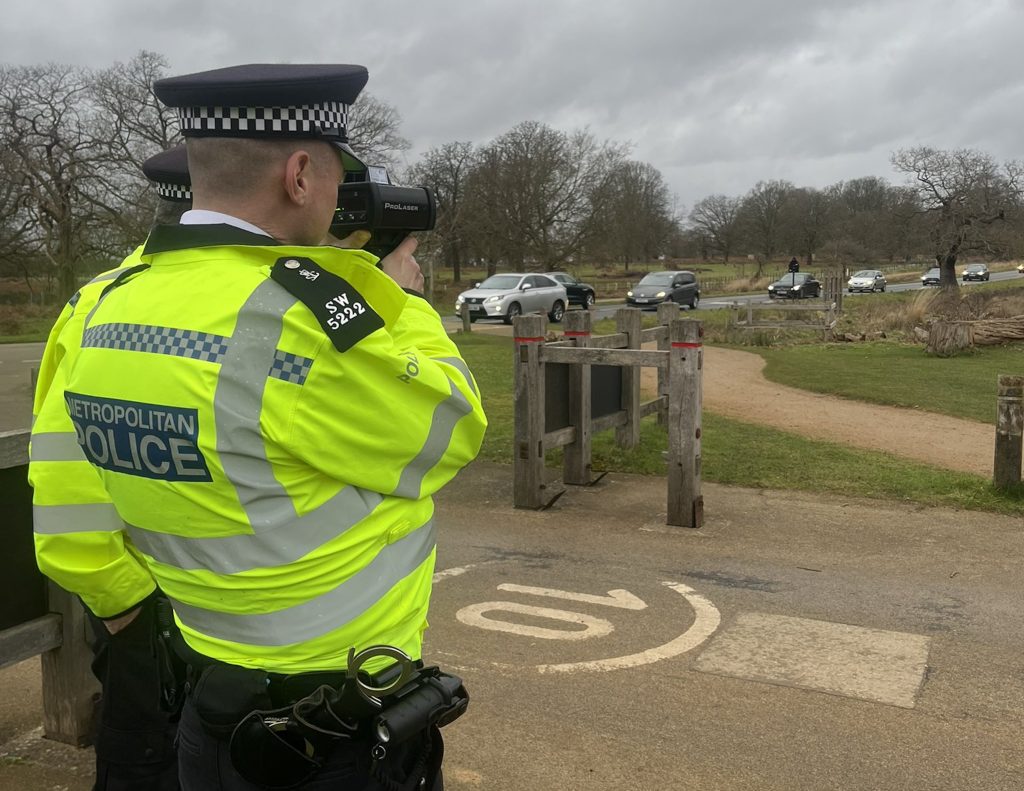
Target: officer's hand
{"x":402,"y":267}
{"x":115,"y":625}
{"x":353,"y":241}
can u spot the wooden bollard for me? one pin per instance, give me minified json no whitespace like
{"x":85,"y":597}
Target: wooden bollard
{"x":528,"y":479}
{"x":667,"y":313}
{"x":686,"y":369}
{"x":467,"y":325}
{"x":1006,"y":467}
{"x":576,"y":467}
{"x":627,"y":435}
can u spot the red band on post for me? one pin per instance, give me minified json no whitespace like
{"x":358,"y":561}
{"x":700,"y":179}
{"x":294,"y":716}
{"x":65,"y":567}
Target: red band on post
{"x":530,"y":340}
{"x":687,"y":345}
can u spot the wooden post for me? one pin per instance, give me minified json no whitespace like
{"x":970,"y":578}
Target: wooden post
{"x":750,"y":312}
{"x":70,"y":690}
{"x":528,"y":463}
{"x":628,"y":321}
{"x":667,"y":313}
{"x":576,"y":468}
{"x":467,"y":325}
{"x":1006,"y":468}
{"x":686,"y":367}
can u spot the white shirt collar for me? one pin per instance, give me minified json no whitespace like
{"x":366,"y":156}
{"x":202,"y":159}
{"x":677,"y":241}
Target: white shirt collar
{"x":206,"y":217}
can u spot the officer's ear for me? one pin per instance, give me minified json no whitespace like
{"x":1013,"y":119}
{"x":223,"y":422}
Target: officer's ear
{"x":298,"y":177}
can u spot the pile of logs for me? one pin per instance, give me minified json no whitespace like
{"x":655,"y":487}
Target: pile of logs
{"x":946,"y":338}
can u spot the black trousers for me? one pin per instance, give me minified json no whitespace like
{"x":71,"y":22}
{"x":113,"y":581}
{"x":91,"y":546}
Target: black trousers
{"x":205,"y":763}
{"x":135,"y":735}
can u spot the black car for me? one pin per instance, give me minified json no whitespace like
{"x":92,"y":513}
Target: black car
{"x":975,"y":272}
{"x":579,"y":293}
{"x":796,"y":285}
{"x":654,"y":288}
{"x":931,"y":277}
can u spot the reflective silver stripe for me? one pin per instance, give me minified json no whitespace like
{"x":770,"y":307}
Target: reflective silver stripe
{"x":325,"y":613}
{"x":54,"y":520}
{"x":442,"y":426}
{"x":56,"y":446}
{"x":455,"y":362}
{"x":238,"y":405}
{"x":105,"y":276}
{"x":267,"y":549}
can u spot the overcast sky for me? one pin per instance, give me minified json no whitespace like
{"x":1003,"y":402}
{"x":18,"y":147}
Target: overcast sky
{"x":716,"y":95}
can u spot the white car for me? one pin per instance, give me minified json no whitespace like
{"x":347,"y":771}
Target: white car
{"x":866,"y":280}
{"x":511,"y":295}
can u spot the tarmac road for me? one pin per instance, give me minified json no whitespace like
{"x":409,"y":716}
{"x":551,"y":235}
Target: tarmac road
{"x":789,"y":645}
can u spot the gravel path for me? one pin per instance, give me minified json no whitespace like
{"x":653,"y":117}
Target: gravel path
{"x":734,"y":386}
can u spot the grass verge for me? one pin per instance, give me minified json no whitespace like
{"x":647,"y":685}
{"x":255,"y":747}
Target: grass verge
{"x":899,"y":375}
{"x":742,"y":454}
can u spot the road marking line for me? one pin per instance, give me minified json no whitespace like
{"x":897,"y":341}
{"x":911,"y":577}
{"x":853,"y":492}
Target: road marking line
{"x":622,"y":599}
{"x":452,"y":572}
{"x":705,"y":622}
{"x":473,"y":615}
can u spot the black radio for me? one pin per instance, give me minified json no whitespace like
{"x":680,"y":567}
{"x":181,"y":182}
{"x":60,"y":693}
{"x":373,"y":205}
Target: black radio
{"x":388,"y":212}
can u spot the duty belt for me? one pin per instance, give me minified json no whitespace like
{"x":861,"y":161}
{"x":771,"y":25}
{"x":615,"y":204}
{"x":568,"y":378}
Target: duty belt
{"x":280,"y":744}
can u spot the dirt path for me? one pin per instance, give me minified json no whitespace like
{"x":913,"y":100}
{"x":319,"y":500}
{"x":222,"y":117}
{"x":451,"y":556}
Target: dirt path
{"x":734,"y":386}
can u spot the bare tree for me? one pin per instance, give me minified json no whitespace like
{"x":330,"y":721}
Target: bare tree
{"x":62,"y":152}
{"x":963,"y":194}
{"x":763,"y":215}
{"x":538,"y":195}
{"x":717,"y":217}
{"x":445,"y":169}
{"x":809,"y":214}
{"x":373,"y":131}
{"x":639,"y":221}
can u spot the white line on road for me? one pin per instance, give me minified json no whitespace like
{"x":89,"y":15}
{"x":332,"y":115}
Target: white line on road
{"x":705,"y":622}
{"x":622,"y":599}
{"x":473,"y":615}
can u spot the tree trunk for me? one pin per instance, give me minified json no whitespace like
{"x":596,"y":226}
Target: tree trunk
{"x":947,"y":270}
{"x":947,"y":338}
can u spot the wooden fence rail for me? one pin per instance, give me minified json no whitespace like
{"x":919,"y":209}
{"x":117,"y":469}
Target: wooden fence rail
{"x":36,"y":616}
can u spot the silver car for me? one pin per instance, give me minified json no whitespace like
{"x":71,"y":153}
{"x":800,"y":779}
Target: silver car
{"x":866,"y":280}
{"x":511,"y":295}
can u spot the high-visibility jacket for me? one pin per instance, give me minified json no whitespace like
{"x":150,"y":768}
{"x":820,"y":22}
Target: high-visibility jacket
{"x":270,"y":423}
{"x":68,"y":490}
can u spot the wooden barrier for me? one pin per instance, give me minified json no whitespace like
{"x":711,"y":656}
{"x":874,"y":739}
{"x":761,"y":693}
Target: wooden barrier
{"x":825,"y":325}
{"x":555,"y":408}
{"x":1006,"y":467}
{"x":36,"y":616}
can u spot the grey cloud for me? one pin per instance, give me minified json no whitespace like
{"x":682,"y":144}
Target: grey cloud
{"x":717,"y":95}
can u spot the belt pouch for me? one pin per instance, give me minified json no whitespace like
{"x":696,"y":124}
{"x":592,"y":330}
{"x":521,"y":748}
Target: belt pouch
{"x":224,"y":694}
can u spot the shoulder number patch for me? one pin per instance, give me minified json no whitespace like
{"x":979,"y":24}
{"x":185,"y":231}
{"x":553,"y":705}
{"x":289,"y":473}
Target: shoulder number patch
{"x":342,"y":311}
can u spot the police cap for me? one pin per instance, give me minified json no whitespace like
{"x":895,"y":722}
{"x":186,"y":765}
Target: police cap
{"x":268,"y":101}
{"x":168,"y":171}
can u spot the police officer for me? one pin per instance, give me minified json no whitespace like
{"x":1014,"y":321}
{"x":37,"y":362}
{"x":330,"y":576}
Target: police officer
{"x":140,"y":676}
{"x":267,"y":421}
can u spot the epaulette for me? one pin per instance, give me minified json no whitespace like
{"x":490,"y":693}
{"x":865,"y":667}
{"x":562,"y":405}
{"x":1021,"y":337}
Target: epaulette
{"x":342,"y":311}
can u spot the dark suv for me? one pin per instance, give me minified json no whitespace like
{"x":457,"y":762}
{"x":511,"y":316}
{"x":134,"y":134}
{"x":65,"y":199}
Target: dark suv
{"x":654,"y":288}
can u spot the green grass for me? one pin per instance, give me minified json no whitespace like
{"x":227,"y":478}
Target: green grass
{"x":742,"y":454}
{"x":899,"y":375}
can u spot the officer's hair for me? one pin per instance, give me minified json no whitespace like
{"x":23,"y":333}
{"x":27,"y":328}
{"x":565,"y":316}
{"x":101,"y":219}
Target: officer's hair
{"x":168,"y":212}
{"x":228,"y":166}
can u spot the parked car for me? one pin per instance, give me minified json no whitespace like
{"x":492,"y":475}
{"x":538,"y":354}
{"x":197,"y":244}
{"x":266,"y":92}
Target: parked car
{"x":975,"y":272}
{"x":509,"y":295}
{"x":931,"y":277}
{"x":654,"y":288}
{"x":795,"y":285}
{"x":579,"y":293}
{"x":1020,"y":269}
{"x":866,"y":280}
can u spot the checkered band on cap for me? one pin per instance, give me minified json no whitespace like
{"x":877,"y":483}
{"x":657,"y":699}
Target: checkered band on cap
{"x":174,"y":192}
{"x":266,"y":120}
